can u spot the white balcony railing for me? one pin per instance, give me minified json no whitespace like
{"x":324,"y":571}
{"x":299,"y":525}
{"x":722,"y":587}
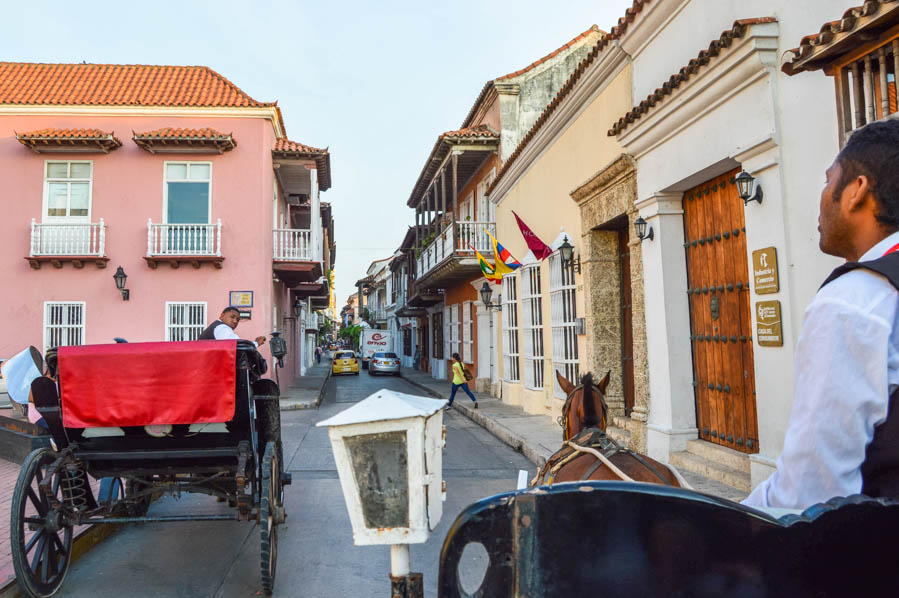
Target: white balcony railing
{"x":312,"y":322}
{"x":68,"y":239}
{"x":456,"y":239}
{"x":292,"y":244}
{"x":184,"y":239}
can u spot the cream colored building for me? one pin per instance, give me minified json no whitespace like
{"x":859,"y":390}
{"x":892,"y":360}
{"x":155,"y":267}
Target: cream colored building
{"x":570,"y":319}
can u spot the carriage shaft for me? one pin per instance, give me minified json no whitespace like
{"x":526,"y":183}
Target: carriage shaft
{"x":166,"y":519}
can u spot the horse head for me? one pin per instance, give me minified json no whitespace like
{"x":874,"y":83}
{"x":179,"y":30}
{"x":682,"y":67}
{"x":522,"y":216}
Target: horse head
{"x":585,"y":405}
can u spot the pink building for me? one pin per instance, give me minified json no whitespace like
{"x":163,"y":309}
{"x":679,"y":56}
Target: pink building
{"x":172,"y":174}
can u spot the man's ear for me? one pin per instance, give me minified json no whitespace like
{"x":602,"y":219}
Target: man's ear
{"x":857,"y":193}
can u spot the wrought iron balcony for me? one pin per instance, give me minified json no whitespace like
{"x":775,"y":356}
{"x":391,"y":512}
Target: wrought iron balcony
{"x":192,"y":243}
{"x":58,"y":242}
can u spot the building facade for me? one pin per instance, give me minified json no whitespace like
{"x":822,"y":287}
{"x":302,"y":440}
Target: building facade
{"x":176,"y":177}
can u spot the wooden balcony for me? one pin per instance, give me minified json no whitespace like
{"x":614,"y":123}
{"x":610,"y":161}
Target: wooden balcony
{"x":60,"y":242}
{"x":177,"y":244}
{"x":451,"y":255}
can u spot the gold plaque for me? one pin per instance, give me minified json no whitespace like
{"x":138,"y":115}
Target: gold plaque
{"x":768,"y":331}
{"x":764,"y":269}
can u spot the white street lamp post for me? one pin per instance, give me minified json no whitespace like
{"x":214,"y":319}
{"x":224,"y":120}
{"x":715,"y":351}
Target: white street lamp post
{"x":388,"y":450}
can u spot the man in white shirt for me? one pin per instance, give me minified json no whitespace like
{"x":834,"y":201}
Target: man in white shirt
{"x":843,"y":435}
{"x":223,"y":328}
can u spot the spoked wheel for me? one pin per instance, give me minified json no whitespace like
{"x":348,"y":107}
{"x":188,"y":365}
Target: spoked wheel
{"x":271,"y":514}
{"x":41,"y":544}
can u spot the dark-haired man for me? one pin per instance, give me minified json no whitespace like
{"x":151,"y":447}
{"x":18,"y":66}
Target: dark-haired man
{"x":843,"y":435}
{"x":223,"y":328}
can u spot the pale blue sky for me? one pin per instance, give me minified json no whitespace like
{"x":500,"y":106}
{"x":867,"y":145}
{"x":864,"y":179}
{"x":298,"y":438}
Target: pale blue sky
{"x":376,"y":82}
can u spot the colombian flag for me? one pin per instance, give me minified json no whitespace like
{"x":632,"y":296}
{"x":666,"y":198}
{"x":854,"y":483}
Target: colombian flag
{"x":505,"y":263}
{"x":486,"y":268}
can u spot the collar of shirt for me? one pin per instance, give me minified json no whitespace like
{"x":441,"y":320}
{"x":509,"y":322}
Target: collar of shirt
{"x":881,"y":248}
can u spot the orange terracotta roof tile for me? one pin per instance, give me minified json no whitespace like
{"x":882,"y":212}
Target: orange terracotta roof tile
{"x":118,"y":85}
{"x":629,"y":16}
{"x":74,"y":140}
{"x":285,"y":148}
{"x":553,"y":54}
{"x":694,"y":66}
{"x":169,"y":139}
{"x":66,"y":134}
{"x":479,"y":132}
{"x":813,"y":47}
{"x":172,"y":133}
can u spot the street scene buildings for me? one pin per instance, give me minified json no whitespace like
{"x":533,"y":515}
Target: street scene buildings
{"x":607,"y":253}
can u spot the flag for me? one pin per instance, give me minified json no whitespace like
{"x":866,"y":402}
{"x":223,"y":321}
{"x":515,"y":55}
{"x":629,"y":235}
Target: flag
{"x":504,"y":262}
{"x":486,"y":268}
{"x":540,"y":249}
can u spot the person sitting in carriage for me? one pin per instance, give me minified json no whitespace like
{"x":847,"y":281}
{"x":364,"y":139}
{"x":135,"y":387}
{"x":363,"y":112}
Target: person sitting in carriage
{"x":843,"y":434}
{"x":223,"y":328}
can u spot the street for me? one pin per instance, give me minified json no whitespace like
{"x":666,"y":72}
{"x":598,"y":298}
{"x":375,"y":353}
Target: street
{"x":316,"y":553}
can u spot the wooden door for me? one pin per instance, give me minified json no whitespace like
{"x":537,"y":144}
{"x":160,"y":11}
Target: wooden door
{"x":721,"y":326}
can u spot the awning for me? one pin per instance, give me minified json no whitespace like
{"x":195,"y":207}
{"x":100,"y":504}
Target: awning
{"x":185,"y":141}
{"x":69,"y":140}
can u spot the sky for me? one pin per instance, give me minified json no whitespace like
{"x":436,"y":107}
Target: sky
{"x":375,"y":82}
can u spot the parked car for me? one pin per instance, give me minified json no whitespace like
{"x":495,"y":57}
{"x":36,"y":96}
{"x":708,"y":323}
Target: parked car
{"x":384,"y":363}
{"x":345,"y":362}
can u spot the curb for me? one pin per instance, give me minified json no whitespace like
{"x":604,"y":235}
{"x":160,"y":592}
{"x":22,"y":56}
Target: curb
{"x":81,"y":545}
{"x":507,"y":436}
{"x":299,"y":406}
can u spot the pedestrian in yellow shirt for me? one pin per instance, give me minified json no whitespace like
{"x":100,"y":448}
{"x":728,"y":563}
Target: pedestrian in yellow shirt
{"x":459,"y":381}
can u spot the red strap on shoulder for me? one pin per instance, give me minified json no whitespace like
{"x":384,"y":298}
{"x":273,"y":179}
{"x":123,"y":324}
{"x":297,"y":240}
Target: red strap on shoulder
{"x":892,"y":249}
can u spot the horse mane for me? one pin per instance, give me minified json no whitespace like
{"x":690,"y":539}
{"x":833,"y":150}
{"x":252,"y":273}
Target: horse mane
{"x":591,"y":419}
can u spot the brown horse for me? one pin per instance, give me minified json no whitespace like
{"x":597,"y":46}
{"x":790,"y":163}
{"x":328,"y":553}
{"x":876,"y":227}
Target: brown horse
{"x":588,"y":453}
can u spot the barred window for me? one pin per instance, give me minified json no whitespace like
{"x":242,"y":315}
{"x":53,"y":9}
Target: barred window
{"x":63,"y":323}
{"x":184,"y":321}
{"x":564,"y":316}
{"x":532,"y":326}
{"x":437,"y":333}
{"x":467,"y":332}
{"x":510,"y":329}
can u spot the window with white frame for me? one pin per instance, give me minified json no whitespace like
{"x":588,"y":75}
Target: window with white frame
{"x":468,"y":320}
{"x":453,"y":327}
{"x":564,"y":318}
{"x":510,"y":329}
{"x":63,"y":323}
{"x":532,"y":326}
{"x":466,"y":208}
{"x":184,"y":321}
{"x":187,"y":192}
{"x":67,"y":190}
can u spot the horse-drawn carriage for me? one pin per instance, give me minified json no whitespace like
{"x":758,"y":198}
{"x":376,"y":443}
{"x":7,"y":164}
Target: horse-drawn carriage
{"x":148,"y":419}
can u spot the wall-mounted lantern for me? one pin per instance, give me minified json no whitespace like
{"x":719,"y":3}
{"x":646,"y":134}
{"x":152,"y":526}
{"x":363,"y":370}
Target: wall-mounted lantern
{"x":487,"y":297}
{"x":640,"y":226}
{"x":120,"y":277}
{"x":297,"y":308}
{"x":388,"y":450}
{"x":566,"y":252}
{"x":745,"y":183}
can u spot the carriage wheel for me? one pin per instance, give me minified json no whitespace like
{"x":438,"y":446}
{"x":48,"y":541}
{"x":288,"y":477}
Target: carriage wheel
{"x":270,"y":515}
{"x":41,"y":543}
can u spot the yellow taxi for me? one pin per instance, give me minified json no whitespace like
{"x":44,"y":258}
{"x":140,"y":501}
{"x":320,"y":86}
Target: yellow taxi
{"x":345,"y":362}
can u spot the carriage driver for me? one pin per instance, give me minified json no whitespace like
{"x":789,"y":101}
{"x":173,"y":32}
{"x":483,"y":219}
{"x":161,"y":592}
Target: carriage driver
{"x":843,"y":435}
{"x":223,"y":328}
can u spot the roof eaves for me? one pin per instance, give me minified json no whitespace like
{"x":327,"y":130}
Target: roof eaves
{"x":551,"y":55}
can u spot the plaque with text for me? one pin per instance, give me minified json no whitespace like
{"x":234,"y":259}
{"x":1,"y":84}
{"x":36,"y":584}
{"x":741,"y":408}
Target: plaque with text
{"x":240,"y":299}
{"x":764,"y":270}
{"x":769,"y":331}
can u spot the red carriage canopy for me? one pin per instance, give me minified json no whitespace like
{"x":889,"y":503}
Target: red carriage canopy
{"x":140,"y":384}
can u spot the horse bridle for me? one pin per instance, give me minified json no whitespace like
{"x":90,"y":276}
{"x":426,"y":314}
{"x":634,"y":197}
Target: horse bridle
{"x":562,"y":421}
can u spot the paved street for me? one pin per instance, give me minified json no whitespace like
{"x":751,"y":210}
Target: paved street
{"x":316,"y":553}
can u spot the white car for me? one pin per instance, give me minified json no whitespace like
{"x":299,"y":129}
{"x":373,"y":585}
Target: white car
{"x":384,"y":363}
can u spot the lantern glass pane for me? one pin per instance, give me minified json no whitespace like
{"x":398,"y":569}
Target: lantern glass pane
{"x":380,"y":467}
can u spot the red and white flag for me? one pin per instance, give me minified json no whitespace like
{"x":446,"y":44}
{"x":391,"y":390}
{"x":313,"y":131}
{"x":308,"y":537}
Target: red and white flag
{"x":540,"y":249}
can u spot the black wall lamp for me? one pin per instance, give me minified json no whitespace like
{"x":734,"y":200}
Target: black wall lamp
{"x":487,"y":296}
{"x":566,"y":252}
{"x":120,"y":277}
{"x":640,"y":226}
{"x":297,"y":308}
{"x":745,"y":182}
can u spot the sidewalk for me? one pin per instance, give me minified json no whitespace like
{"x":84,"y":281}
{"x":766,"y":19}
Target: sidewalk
{"x":306,"y":392}
{"x":537,"y":437}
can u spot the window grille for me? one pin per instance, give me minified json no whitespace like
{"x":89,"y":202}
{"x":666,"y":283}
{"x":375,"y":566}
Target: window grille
{"x":564,"y":320}
{"x":510,"y":329}
{"x":437,"y":332}
{"x":63,"y":323}
{"x":532,"y":326}
{"x":866,"y":88}
{"x":467,"y":332}
{"x":184,"y":321}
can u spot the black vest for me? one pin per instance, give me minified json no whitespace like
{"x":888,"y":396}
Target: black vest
{"x":209,"y":333}
{"x":880,"y":469}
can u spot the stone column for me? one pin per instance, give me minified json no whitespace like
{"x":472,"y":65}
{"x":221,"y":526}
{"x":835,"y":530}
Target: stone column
{"x":672,"y":419}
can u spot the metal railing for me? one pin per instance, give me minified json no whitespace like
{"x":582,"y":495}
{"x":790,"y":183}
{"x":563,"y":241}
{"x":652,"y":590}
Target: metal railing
{"x":184,"y":239}
{"x":456,"y":239}
{"x":65,"y":238}
{"x":869,"y":88}
{"x":292,"y":244}
{"x":312,"y":321}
